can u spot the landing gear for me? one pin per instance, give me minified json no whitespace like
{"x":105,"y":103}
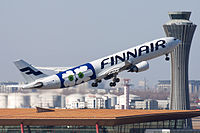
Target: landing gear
{"x":112,"y":84}
{"x":167,"y":57}
{"x":115,"y":80}
{"x":95,"y":84}
{"x":99,"y":81}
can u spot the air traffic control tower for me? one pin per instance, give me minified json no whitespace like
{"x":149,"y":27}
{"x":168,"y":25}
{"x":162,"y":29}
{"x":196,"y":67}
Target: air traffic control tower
{"x":181,"y":28}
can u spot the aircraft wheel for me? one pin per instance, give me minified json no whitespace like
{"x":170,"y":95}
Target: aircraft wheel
{"x":112,"y":84}
{"x":167,"y":58}
{"x":94,"y":84}
{"x":117,"y":80}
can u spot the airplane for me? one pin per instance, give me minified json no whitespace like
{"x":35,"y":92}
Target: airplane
{"x":130,"y":60}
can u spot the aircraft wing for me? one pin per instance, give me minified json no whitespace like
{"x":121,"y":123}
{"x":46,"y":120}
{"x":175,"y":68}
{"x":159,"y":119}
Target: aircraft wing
{"x":56,"y":69}
{"x":113,"y":71}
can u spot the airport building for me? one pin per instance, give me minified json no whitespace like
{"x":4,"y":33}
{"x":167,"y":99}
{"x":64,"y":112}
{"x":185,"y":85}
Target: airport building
{"x":92,"y":120}
{"x":183,"y":29}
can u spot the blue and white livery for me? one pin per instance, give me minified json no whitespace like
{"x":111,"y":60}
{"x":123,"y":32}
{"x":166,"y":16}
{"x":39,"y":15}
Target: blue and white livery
{"x":130,"y":60}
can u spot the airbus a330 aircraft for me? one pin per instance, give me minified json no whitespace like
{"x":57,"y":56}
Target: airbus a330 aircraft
{"x":131,"y":60}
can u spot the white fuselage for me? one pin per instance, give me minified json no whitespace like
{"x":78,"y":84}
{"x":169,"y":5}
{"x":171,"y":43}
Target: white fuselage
{"x":93,"y":70}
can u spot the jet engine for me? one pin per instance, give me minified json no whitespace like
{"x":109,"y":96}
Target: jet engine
{"x":142,"y":66}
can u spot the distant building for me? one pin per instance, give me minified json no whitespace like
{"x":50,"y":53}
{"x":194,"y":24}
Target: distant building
{"x":10,"y":87}
{"x":77,"y":105}
{"x":146,"y":104}
{"x":163,"y":104}
{"x":152,"y":104}
{"x":107,"y":102}
{"x":50,"y":100}
{"x":4,"y":100}
{"x":165,"y":86}
{"x":140,"y":105}
{"x":121,"y":100}
{"x":113,"y":102}
{"x":194,"y":86}
{"x":142,"y":85}
{"x":119,"y":106}
{"x":75,"y":101}
{"x":102,"y":91}
{"x":5,"y":89}
{"x":18,"y":100}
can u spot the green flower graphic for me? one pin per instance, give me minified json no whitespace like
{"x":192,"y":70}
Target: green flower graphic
{"x":80,"y":75}
{"x":71,"y":77}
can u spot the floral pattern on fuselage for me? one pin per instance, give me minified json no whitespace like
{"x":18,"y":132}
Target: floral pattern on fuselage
{"x":77,"y":75}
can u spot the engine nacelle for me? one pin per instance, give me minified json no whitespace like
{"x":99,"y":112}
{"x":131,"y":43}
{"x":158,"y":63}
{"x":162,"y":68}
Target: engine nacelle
{"x":142,"y":66}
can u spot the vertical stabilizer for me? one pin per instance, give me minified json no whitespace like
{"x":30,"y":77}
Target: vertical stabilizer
{"x":29,"y":72}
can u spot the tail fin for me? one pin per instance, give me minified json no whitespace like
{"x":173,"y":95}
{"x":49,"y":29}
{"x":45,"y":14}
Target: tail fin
{"x":28,"y":71}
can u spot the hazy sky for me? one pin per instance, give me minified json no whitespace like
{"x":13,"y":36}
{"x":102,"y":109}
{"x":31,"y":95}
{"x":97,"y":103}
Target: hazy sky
{"x":70,"y":33}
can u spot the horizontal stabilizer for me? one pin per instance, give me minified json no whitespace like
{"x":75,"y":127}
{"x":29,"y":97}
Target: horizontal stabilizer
{"x":56,"y":69}
{"x":15,"y":86}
